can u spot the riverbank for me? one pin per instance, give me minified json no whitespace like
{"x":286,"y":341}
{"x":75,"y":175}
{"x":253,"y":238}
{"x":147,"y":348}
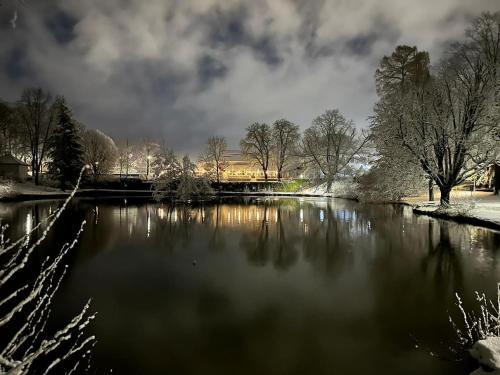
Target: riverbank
{"x":480,"y":208}
{"x":477,"y":208}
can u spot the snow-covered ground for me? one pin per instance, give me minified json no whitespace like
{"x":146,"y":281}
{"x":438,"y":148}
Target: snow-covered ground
{"x":340,"y":189}
{"x":487,"y":353}
{"x":478,"y":206}
{"x":9,"y":189}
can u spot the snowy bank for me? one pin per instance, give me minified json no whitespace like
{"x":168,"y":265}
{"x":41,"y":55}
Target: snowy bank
{"x":484,"y":211}
{"x":487,"y":353}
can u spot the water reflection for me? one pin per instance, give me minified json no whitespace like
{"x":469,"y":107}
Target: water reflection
{"x":312,"y":284}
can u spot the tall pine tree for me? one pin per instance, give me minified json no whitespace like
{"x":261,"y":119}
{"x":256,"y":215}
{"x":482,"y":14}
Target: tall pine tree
{"x":65,"y":147}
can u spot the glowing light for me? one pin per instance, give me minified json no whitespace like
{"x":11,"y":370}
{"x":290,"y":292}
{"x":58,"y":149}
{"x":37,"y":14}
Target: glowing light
{"x":148,"y":224}
{"x":301,"y":215}
{"x":321,"y":215}
{"x":29,"y":223}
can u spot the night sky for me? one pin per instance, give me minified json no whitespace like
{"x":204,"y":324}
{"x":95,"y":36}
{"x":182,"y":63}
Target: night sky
{"x":185,"y":70}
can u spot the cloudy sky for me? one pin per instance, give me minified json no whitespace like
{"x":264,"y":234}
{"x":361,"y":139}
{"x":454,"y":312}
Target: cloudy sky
{"x":182,"y":70}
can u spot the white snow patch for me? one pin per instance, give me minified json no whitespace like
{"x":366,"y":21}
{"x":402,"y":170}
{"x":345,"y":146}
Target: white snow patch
{"x":487,"y":352}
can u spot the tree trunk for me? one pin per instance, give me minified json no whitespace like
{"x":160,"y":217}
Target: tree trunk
{"x":265,"y":175}
{"x":497,"y":179}
{"x":445,"y":195}
{"x":279,"y":175}
{"x":431,"y":190}
{"x":36,"y":175}
{"x":329,"y":184}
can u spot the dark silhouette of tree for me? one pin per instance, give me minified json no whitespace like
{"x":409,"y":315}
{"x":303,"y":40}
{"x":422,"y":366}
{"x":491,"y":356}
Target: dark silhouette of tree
{"x":37,"y":115}
{"x":285,"y":137}
{"x":214,"y":157}
{"x":331,"y":144}
{"x":257,"y":145}
{"x":65,"y":148}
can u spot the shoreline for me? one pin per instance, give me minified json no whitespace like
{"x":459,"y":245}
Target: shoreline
{"x":417,"y":209}
{"x":457,"y":217}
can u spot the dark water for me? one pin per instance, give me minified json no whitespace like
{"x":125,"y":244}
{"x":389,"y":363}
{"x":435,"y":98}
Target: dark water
{"x":277,"y":286}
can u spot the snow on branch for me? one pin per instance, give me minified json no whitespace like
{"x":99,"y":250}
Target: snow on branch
{"x":25,"y":310}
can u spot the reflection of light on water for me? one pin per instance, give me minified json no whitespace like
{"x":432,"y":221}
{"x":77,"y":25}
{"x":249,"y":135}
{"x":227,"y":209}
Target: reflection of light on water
{"x":148,"y":224}
{"x":239,"y":216}
{"x":29,"y":227}
{"x":96,"y":214}
{"x":174,"y":214}
{"x":321,"y":215}
{"x":258,"y":215}
{"x":276,"y":216}
{"x":161,"y":212}
{"x":29,"y":223}
{"x":306,"y":228}
{"x":267,"y":216}
{"x":301,"y":215}
{"x":229,"y":217}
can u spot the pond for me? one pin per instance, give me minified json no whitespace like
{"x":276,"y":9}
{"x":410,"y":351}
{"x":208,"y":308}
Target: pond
{"x":266,"y":286}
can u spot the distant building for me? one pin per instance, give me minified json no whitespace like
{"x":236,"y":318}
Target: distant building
{"x":13,"y":168}
{"x":240,"y":169}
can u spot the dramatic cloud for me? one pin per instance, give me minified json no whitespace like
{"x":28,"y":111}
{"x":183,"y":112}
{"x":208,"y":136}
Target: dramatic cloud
{"x":185,"y":70}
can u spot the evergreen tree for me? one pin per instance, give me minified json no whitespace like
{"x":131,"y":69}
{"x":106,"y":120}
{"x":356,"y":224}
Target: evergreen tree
{"x":65,"y":147}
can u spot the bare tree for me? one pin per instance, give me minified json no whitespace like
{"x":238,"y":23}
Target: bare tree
{"x":37,"y":114}
{"x":257,"y":145}
{"x":285,"y":138}
{"x":25,"y":310}
{"x":11,"y":136}
{"x":447,"y":123}
{"x":214,"y":157}
{"x":100,"y":152}
{"x":331,"y":144}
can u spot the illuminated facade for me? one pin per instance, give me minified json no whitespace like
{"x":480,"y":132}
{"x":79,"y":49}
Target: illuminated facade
{"x":240,"y":169}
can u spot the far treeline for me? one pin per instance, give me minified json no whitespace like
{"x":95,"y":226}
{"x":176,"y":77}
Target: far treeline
{"x":434,"y":125}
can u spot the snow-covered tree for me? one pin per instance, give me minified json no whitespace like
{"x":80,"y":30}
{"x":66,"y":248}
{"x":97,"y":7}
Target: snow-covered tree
{"x":190,"y":184}
{"x":99,"y":152}
{"x":330,"y":145}
{"x":214,"y":157}
{"x":257,"y":145}
{"x":180,"y":180}
{"x":445,"y":122}
{"x":285,"y":137}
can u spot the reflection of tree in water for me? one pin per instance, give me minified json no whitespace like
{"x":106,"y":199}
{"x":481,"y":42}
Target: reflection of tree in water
{"x":274,"y":242}
{"x":216,"y":241}
{"x":284,"y":253}
{"x":328,"y":244}
{"x":443,"y":262}
{"x":256,"y":245}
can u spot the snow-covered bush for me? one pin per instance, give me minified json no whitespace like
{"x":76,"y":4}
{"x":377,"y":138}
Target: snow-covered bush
{"x":390,"y":180}
{"x":25,"y":309}
{"x":464,"y":207}
{"x":6,"y":188}
{"x":479,"y":323}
